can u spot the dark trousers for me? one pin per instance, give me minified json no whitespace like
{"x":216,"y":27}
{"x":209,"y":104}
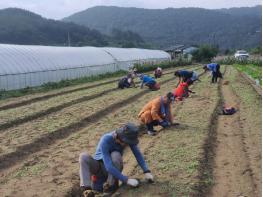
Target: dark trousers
{"x":216,"y":74}
{"x":151,"y":124}
{"x":90,"y":166}
{"x":124,"y":84}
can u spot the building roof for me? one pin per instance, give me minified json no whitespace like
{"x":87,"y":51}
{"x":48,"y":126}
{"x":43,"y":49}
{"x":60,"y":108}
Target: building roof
{"x":175,"y":48}
{"x":17,"y":59}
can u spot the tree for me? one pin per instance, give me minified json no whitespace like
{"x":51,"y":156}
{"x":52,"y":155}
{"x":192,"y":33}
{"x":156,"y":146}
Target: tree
{"x":205,"y":53}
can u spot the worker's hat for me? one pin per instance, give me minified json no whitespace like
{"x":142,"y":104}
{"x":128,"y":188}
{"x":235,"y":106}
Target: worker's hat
{"x":128,"y":133}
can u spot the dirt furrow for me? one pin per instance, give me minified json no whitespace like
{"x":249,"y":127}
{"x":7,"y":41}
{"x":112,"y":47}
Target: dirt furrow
{"x":257,"y":88}
{"x":231,"y":170}
{"x":19,"y":121}
{"x":41,"y":98}
{"x":249,"y":120}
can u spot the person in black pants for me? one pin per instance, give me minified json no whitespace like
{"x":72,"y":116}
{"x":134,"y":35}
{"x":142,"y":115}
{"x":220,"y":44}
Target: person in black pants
{"x":215,"y":69}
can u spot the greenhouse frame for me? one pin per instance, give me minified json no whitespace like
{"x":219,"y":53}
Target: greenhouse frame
{"x":24,"y":66}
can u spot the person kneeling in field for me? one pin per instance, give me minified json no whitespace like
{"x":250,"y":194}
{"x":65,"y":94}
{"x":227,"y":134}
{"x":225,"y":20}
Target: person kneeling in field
{"x":103,"y":171}
{"x":182,"y":91}
{"x":158,"y":72}
{"x":126,"y":82}
{"x":149,"y":81}
{"x":157,"y":112}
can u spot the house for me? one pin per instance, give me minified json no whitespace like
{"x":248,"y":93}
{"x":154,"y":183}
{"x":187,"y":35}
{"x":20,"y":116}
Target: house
{"x":175,"y":50}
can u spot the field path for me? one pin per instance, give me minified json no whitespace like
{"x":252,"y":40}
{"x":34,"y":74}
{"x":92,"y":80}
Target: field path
{"x":232,"y":172}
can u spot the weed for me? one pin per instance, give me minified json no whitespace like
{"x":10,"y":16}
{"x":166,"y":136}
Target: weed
{"x":30,"y":170}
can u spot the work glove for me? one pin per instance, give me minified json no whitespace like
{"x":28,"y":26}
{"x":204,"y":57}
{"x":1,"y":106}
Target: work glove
{"x":149,"y":177}
{"x":133,"y":182}
{"x":164,"y":123}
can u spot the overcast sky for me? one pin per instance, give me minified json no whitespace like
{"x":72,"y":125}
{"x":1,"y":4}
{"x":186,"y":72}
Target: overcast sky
{"x":58,"y":9}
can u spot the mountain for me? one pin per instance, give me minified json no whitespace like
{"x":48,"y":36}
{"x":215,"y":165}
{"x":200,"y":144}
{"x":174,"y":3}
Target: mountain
{"x":243,"y":11}
{"x":18,"y":26}
{"x":226,"y":28}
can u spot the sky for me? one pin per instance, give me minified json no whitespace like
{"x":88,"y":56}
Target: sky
{"x":58,"y":9}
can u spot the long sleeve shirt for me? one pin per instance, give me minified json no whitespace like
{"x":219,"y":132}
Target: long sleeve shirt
{"x":147,"y":80}
{"x":212,"y":67}
{"x":185,"y":74}
{"x":106,"y":146}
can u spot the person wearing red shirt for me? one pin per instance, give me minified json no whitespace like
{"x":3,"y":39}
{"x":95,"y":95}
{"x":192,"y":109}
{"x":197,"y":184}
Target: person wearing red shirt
{"x":182,"y":91}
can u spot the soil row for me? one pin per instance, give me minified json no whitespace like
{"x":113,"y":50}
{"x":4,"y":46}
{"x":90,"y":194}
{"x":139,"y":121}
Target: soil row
{"x":57,"y":170}
{"x":46,"y":140}
{"x":60,"y":93}
{"x":174,"y":154}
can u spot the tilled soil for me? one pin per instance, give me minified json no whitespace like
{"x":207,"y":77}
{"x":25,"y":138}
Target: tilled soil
{"x":40,"y":161}
{"x":173,"y":155}
{"x":234,"y":173}
{"x":50,"y":167}
{"x":64,"y":122}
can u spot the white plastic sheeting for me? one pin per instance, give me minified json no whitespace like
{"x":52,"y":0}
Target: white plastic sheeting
{"x":28,"y":66}
{"x":127,"y":57}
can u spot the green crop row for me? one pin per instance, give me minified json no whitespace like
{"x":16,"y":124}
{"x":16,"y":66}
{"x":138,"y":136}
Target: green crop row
{"x":251,"y":70}
{"x":232,"y":60}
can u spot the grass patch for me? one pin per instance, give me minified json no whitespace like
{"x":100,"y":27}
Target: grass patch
{"x":26,"y":171}
{"x":251,"y":70}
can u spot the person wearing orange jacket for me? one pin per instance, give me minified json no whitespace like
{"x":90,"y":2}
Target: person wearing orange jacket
{"x":182,"y":91}
{"x":157,"y":112}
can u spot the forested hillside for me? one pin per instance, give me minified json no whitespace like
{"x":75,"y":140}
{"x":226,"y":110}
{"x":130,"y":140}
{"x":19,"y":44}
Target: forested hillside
{"x":227,"y":28}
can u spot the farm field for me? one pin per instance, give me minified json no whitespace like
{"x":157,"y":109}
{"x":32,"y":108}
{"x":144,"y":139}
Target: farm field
{"x":40,"y":141}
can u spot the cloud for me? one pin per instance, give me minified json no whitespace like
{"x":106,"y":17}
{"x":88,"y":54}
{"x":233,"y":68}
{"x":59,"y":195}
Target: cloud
{"x":61,"y":8}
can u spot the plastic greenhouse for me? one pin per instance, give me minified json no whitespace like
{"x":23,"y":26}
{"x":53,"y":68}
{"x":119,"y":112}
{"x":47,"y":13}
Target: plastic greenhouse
{"x":28,"y":66}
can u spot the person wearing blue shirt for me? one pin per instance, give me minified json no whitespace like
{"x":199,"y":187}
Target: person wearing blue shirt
{"x":148,"y":81}
{"x":215,"y":69}
{"x":102,"y":171}
{"x":186,"y":76}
